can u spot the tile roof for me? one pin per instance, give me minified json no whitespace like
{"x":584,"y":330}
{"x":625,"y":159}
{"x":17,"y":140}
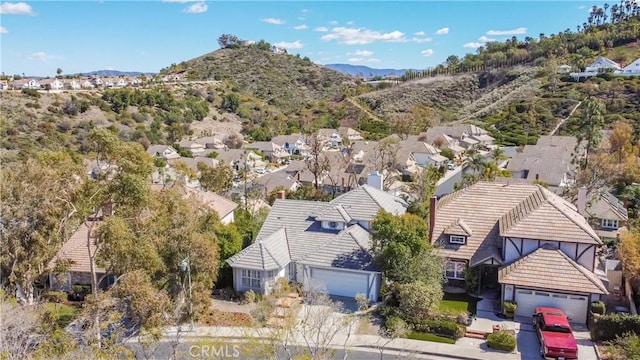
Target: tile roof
{"x":278,"y":179}
{"x":489,"y":208}
{"x":217,"y":203}
{"x":307,"y":241}
{"x":540,"y":269}
{"x":75,"y":249}
{"x":193,"y":162}
{"x":606,"y":206}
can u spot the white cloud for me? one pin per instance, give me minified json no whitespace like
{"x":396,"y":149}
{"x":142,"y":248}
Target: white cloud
{"x":427,"y":52}
{"x":321,"y":29}
{"x":19,"y":8}
{"x":178,"y":2}
{"x":3,"y":30}
{"x":421,"y":40}
{"x":362,"y":60}
{"x":290,"y":45}
{"x":197,"y":8}
{"x":301,"y":27}
{"x":42,"y":56}
{"x":364,"y":52}
{"x":485,"y":39}
{"x":362,"y":36}
{"x":516,"y":31}
{"x":304,"y":11}
{"x":350,"y":23}
{"x":419,"y":33}
{"x":472,"y":45}
{"x":333,"y":22}
{"x":443,"y":31}
{"x":273,"y":21}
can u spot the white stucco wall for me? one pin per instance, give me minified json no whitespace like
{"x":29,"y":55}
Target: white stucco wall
{"x":583,"y":254}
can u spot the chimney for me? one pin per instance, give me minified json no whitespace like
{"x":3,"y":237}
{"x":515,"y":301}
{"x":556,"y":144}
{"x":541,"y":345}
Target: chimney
{"x":298,"y":175}
{"x":281,"y":194}
{"x":582,"y":200}
{"x":433,"y":204}
{"x":375,"y":180}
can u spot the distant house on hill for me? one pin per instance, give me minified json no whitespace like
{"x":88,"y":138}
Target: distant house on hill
{"x":632,"y":69}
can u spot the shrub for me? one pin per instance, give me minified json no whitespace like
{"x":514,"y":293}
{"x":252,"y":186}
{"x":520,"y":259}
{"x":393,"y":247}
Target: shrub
{"x":501,"y":340}
{"x":510,"y":308}
{"x":598,"y":307}
{"x":625,"y":347}
{"x":362,"y":300}
{"x":55,"y":296}
{"x":608,"y":327}
{"x":396,"y":327}
{"x":442,"y":327}
{"x":250,"y":297}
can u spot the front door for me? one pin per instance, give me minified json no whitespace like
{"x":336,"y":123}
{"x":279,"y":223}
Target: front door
{"x":489,"y":276}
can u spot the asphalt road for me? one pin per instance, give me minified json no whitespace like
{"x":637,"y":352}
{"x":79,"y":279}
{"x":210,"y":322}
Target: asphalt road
{"x":193,"y":349}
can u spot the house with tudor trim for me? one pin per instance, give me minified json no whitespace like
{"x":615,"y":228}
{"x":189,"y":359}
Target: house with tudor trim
{"x":522,"y":239}
{"x":322,"y":245}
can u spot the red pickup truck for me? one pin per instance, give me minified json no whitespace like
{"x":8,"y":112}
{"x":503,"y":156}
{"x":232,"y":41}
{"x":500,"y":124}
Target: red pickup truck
{"x":555,"y":334}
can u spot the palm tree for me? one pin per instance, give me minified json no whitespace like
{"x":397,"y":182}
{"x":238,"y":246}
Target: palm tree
{"x":476,"y":163}
{"x":498,"y":154}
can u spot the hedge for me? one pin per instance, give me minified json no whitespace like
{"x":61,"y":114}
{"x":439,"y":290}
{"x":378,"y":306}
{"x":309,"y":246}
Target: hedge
{"x":608,"y":327}
{"x":442,"y":327}
{"x":55,"y":296}
{"x":501,"y":340}
{"x":598,"y":307}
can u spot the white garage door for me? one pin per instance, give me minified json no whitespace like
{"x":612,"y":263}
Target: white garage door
{"x":341,"y":283}
{"x":574,"y":306}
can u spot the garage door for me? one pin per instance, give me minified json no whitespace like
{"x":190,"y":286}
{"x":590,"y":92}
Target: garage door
{"x":574,"y":306}
{"x":341,"y":283}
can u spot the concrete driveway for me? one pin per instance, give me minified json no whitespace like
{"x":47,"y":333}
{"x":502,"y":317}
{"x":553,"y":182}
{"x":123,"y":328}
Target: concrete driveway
{"x":529,"y":347}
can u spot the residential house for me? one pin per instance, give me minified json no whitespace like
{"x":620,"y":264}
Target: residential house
{"x":121,"y":82}
{"x":345,"y":172}
{"x":272,"y":151}
{"x":522,"y":238}
{"x":550,"y":161}
{"x":442,"y":141}
{"x":51,"y":84}
{"x":599,"y":66}
{"x":236,"y":158}
{"x":294,"y":144}
{"x":330,"y":138}
{"x":191,"y":163}
{"x":193,"y":146}
{"x":269,"y":182}
{"x":212,"y":142}
{"x":32,"y":84}
{"x":87,"y":84}
{"x":323,"y":245}
{"x":467,"y":135}
{"x":299,"y":170}
{"x":73,"y":257}
{"x":163,"y":151}
{"x":4,"y":85}
{"x":349,"y":134}
{"x":74,"y":84}
{"x":413,"y":151}
{"x":98,"y":82}
{"x":632,"y":69}
{"x":224,"y":207}
{"x":606,"y":213}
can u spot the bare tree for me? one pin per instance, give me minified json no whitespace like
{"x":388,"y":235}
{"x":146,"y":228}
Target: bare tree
{"x":318,"y":162}
{"x":384,"y":157}
{"x":18,"y":330}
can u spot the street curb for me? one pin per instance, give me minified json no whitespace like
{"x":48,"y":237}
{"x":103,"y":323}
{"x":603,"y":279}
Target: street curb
{"x":460,"y":357}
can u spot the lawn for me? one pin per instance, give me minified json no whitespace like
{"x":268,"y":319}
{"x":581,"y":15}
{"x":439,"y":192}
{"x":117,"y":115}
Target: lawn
{"x":63,"y":314}
{"x":457,"y":303}
{"x":430,"y":337}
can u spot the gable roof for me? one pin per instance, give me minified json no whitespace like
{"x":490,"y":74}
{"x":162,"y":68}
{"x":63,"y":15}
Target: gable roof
{"x":492,"y":210}
{"x":607,"y":206}
{"x":548,"y":161}
{"x":217,"y":203}
{"x":270,"y":253}
{"x":458,"y":227}
{"x":75,"y":249}
{"x":308,"y":242}
{"x":536,"y":269}
{"x":277,"y":179}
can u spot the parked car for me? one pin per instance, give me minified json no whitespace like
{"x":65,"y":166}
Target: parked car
{"x":555,"y":334}
{"x":261,"y":170}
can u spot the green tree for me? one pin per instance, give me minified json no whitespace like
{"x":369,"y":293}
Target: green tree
{"x":218,"y":179}
{"x":37,"y":198}
{"x":418,"y":299}
{"x":230,"y":103}
{"x":591,"y":123}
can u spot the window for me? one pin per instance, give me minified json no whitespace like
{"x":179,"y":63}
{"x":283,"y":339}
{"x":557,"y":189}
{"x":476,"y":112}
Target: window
{"x":251,"y":278}
{"x":456,"y":239}
{"x":333,"y":224}
{"x":455,"y":270}
{"x":609,"y":223}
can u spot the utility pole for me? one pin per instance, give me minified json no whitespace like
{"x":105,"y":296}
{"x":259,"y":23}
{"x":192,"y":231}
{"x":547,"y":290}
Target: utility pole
{"x":185,"y":265}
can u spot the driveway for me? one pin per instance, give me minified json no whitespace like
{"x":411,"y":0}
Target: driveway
{"x":529,"y":347}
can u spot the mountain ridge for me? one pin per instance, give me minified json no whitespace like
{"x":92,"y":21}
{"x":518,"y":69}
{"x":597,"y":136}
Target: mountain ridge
{"x":363,"y":70}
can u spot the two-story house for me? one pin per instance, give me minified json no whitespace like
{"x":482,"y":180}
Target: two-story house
{"x":606,"y":213}
{"x":322,"y":245}
{"x":523,"y":239}
{"x":294,"y":144}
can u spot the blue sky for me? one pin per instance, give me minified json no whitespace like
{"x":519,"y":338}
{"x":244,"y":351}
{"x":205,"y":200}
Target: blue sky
{"x":37,"y":37}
